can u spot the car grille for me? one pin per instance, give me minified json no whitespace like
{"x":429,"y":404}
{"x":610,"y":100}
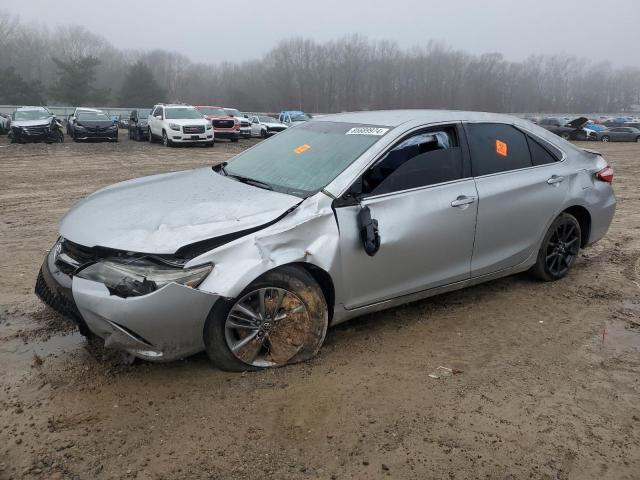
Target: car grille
{"x":36,"y":130}
{"x":223,"y":123}
{"x":72,"y":256}
{"x":244,"y":124}
{"x":59,"y":303}
{"x":193,"y":129}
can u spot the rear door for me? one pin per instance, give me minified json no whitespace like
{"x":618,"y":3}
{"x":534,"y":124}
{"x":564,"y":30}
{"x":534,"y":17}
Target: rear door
{"x":521,"y":186}
{"x":425,"y":201}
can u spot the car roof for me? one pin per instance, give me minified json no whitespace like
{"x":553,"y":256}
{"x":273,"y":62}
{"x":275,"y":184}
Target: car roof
{"x":394,"y":118}
{"x":290,"y":112}
{"x":208,"y":106}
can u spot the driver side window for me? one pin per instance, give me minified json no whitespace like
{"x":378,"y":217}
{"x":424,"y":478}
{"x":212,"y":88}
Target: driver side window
{"x":425,"y":158}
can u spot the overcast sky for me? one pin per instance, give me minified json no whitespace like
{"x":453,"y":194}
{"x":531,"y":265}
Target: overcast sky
{"x":213,"y":30}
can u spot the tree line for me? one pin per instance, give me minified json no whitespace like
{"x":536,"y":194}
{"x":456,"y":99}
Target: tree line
{"x":72,"y":66}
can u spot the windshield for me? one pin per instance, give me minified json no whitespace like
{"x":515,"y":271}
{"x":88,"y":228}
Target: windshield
{"x":268,"y":120}
{"x":93,"y":117}
{"x":233,"y":112}
{"x":181,"y":112}
{"x":303,"y":160}
{"x":300,"y":117}
{"x":212,"y":111}
{"x":30,"y":115}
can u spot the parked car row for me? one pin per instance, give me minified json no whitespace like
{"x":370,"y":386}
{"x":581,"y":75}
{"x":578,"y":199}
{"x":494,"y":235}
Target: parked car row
{"x":170,"y":123}
{"x":583,"y":129}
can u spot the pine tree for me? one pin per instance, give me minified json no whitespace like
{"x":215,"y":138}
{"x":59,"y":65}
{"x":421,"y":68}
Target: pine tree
{"x":139,"y":88}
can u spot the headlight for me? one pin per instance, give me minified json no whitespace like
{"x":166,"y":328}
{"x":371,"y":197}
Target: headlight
{"x":209,"y":127}
{"x":236,"y":121}
{"x":174,"y":126}
{"x":80,"y":127}
{"x":141,"y":276}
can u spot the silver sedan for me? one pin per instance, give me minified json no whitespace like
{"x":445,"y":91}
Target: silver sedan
{"x":252,"y":260}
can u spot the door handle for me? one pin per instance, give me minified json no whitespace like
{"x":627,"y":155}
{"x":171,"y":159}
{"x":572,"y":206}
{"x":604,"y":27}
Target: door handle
{"x":462,"y":200}
{"x":555,"y":179}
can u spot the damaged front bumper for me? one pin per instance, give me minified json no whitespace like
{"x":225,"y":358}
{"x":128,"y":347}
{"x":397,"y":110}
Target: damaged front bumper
{"x":164,"y":325}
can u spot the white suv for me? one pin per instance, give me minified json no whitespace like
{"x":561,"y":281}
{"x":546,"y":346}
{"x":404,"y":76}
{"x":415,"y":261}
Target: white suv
{"x":179,"y":124}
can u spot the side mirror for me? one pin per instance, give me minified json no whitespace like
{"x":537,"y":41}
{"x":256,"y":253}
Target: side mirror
{"x":368,"y":231}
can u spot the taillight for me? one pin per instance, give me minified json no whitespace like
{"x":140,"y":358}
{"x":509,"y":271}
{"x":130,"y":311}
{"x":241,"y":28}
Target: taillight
{"x":605,"y":175}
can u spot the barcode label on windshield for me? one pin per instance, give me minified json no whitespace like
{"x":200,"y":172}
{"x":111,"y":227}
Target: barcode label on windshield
{"x":378,"y":132}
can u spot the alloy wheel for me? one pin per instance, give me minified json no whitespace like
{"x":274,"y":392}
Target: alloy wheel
{"x":261,"y":328}
{"x":562,"y":248}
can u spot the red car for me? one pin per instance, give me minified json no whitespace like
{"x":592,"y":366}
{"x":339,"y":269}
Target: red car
{"x":224,"y":125}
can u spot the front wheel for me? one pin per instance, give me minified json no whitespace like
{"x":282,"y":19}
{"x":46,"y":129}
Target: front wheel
{"x":165,"y":139}
{"x":604,"y":139}
{"x":263,"y":133}
{"x":637,"y":139}
{"x":279,"y":319}
{"x":150,"y":136}
{"x":559,"y":249}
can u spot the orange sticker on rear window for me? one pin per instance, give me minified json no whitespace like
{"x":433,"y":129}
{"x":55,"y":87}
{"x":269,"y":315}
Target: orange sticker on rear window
{"x":302,"y":148}
{"x":501,"y":148}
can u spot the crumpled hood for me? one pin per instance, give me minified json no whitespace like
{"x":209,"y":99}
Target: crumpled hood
{"x":31,"y":123}
{"x":161,"y":213}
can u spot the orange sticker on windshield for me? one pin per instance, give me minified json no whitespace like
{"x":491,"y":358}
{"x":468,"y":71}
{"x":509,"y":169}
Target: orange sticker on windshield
{"x":501,"y":148}
{"x":302,"y":149}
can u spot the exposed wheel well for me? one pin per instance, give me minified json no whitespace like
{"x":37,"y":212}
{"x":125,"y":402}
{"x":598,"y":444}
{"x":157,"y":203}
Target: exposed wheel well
{"x":584,"y":219}
{"x":326,"y":284}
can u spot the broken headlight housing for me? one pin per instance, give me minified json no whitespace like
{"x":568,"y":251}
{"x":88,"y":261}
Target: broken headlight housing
{"x":136,"y":277}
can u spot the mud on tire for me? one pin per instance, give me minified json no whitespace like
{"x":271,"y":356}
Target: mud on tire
{"x":296,"y":337}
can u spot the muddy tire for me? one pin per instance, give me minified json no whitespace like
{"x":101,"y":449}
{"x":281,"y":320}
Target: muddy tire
{"x":559,"y":249}
{"x":279,"y":319}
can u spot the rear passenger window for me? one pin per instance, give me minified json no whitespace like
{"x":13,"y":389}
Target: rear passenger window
{"x":425,"y":158}
{"x":496,"y":148}
{"x":541,"y":155}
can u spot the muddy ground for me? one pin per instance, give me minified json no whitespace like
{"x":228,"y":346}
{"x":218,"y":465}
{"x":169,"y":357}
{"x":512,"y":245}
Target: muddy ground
{"x":547,"y":383}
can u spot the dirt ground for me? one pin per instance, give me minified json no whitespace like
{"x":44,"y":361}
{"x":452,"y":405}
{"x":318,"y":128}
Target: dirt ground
{"x":547,"y":381}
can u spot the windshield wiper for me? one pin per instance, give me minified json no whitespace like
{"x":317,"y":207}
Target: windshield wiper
{"x":221,"y":168}
{"x":251,"y":181}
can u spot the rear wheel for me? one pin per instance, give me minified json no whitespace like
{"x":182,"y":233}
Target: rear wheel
{"x":150,"y":138}
{"x":637,"y":139}
{"x":281,"y":318}
{"x":565,"y":135}
{"x":263,"y":133}
{"x":559,"y":249}
{"x":605,"y":139}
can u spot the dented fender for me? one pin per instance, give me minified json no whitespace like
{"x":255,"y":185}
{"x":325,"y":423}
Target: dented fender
{"x":309,"y":234}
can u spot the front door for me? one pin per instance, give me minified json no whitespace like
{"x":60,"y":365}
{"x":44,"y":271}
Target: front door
{"x":425,"y":202}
